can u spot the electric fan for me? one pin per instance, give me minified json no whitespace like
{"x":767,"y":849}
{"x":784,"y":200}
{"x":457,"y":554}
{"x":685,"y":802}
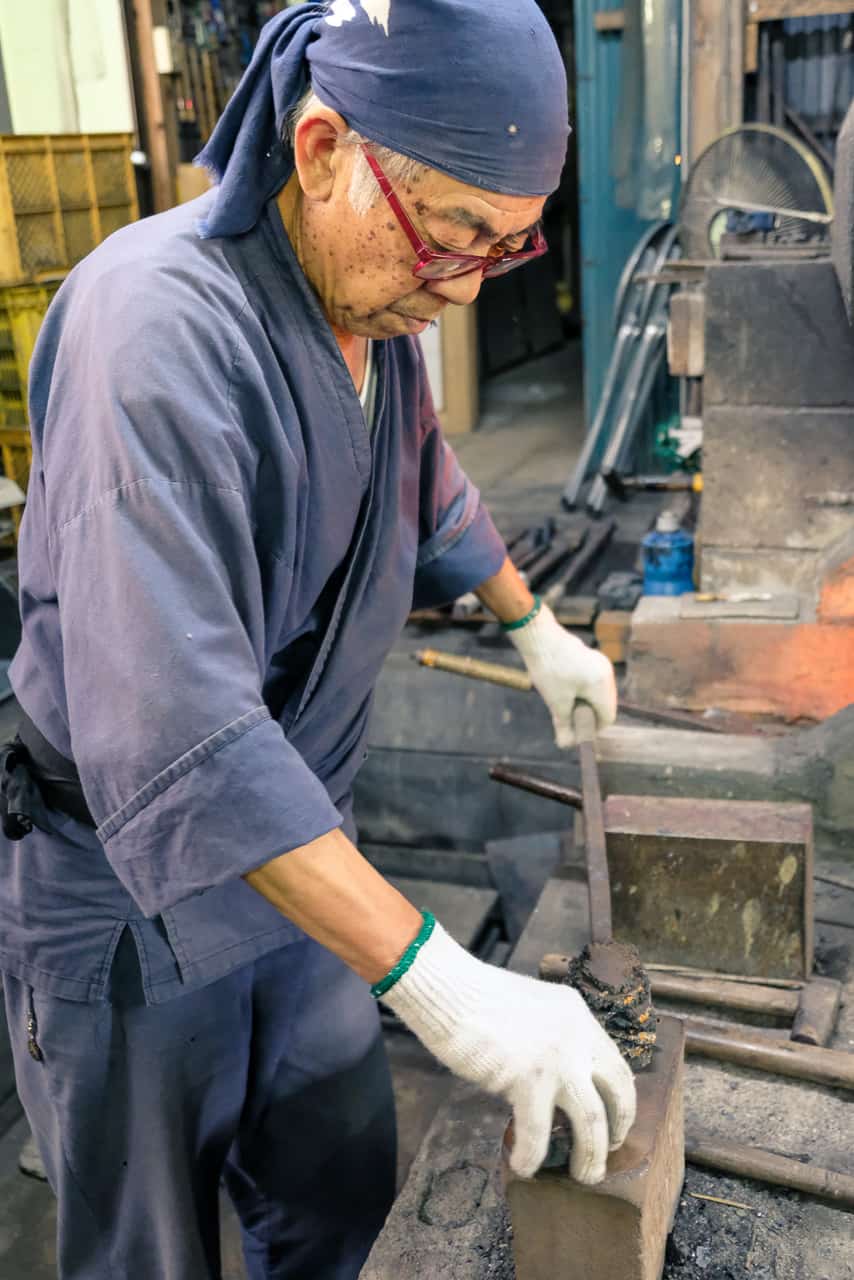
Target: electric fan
{"x":755,"y":177}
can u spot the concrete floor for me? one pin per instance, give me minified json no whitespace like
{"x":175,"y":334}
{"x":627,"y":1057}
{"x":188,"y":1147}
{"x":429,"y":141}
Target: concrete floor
{"x":531,"y":429}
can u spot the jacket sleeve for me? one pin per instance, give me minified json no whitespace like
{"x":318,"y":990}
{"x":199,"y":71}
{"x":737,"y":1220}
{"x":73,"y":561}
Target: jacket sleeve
{"x":190,"y":780}
{"x":459,"y":546}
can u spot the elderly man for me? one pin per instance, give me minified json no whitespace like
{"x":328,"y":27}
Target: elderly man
{"x":239,"y":487}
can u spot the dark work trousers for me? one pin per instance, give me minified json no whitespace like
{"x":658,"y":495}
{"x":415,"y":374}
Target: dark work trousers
{"x":273,"y":1079}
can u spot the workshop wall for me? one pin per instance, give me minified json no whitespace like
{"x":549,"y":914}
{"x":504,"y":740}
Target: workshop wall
{"x":779,"y":416}
{"x":66,"y":67}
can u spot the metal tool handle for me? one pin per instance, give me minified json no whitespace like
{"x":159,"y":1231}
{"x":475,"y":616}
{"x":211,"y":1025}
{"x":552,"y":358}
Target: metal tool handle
{"x":598,"y":882}
{"x":584,"y":722}
{"x":474,"y":668}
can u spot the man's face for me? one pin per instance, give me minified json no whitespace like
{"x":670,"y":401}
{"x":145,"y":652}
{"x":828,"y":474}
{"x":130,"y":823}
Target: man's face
{"x":361,"y":265}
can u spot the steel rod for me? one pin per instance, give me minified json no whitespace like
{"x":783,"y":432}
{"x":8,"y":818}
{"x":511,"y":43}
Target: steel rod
{"x":684,"y":970}
{"x":743,"y":997}
{"x":537,"y":786}
{"x":764,"y":1166}
{"x":673,"y":719}
{"x":598,"y":881}
{"x":830,"y":1067}
{"x":839,"y":881}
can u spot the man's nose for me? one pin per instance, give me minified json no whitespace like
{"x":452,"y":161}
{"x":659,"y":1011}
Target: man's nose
{"x":458,"y":291}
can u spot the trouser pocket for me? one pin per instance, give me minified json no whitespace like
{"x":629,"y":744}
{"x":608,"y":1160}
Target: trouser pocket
{"x":33,"y":1046}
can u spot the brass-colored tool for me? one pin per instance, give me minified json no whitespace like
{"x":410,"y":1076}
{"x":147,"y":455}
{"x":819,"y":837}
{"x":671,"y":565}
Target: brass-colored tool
{"x":475,"y":669}
{"x":512,"y":678}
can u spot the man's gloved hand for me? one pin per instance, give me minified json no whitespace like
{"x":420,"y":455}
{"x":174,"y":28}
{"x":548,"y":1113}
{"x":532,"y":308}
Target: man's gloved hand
{"x":536,"y":1043}
{"x":563,"y":669}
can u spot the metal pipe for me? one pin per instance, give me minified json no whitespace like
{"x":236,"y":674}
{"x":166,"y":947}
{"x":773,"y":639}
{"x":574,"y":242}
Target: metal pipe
{"x":740,"y":997}
{"x":544,"y":787}
{"x":764,"y":1166}
{"x":830,"y":1067}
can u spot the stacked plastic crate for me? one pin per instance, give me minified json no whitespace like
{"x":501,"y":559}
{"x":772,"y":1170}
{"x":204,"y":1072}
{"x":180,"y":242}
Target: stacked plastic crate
{"x":60,"y":196}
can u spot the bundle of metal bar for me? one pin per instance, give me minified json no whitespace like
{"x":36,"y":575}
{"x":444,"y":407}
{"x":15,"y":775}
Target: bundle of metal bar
{"x":595,"y":542}
{"x":630,"y":311}
{"x":647,"y":362}
{"x":540,"y":569}
{"x":526,"y":551}
{"x":640,"y":319}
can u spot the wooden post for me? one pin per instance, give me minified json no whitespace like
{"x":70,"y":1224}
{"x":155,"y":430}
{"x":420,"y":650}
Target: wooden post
{"x":459,"y":369}
{"x":716,"y":71}
{"x":153,"y":111}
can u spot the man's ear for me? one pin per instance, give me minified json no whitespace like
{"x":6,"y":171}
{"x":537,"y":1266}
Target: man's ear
{"x":318,"y":153}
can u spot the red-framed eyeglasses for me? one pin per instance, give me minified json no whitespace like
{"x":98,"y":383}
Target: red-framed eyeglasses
{"x":433,"y":264}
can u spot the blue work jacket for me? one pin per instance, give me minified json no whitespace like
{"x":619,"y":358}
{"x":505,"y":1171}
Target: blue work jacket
{"x":215,"y":559}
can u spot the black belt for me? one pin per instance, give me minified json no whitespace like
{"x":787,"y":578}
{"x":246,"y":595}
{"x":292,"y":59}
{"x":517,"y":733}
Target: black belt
{"x":34,"y":775}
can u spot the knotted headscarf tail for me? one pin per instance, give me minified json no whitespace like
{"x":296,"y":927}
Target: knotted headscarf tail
{"x":474,"y":88}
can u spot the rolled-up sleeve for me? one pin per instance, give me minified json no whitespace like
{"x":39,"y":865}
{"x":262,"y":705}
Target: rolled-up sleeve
{"x":189,"y":779}
{"x":459,"y":546}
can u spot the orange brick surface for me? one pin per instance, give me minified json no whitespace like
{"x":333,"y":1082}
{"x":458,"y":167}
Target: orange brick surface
{"x":837,"y":595}
{"x":794,"y":670}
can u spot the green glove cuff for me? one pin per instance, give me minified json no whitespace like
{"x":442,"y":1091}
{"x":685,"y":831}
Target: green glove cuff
{"x":408,"y":958}
{"x":529,"y":617}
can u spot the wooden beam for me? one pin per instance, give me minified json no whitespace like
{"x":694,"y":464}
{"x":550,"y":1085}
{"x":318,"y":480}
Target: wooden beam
{"x":459,"y":370}
{"x":773,"y":10}
{"x":169,"y":92}
{"x":153,"y":110}
{"x":716,"y":76}
{"x":751,"y":48}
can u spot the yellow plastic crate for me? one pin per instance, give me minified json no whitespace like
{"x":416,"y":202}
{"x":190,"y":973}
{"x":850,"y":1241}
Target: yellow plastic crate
{"x":16,"y":451}
{"x":60,"y":196}
{"x":22,"y":309}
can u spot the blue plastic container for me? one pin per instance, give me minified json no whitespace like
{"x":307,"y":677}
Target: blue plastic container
{"x":668,"y":559}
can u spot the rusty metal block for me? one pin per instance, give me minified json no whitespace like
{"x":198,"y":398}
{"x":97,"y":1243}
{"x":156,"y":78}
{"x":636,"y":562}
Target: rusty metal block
{"x":564,"y":1231}
{"x":713,"y":884}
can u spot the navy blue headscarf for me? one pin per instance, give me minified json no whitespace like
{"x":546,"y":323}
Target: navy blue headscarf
{"x":474,"y":88}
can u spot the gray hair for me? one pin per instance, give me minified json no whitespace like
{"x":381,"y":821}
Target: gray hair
{"x":364,"y":190}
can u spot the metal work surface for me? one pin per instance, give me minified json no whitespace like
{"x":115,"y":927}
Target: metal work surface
{"x":776,"y":1236}
{"x":713,"y":884}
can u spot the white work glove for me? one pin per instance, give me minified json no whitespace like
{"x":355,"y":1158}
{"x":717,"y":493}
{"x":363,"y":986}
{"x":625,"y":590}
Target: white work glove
{"x":563,"y":670}
{"x":535,"y":1043}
